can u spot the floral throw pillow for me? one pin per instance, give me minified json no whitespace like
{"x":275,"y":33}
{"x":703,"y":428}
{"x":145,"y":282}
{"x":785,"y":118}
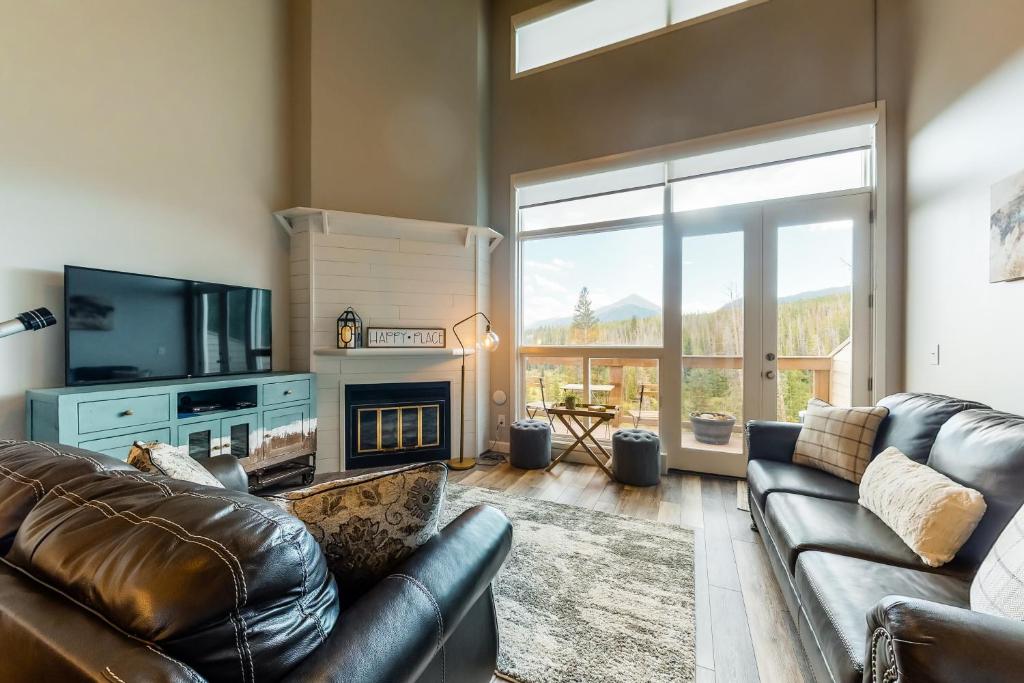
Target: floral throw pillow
{"x":368,"y":524}
{"x":171,"y":461}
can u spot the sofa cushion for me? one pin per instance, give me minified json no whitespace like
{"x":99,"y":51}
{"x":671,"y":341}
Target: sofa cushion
{"x":836,"y":593}
{"x":221,"y":580}
{"x":838,"y":440}
{"x":48,"y":638}
{"x":28,"y":470}
{"x":368,"y":524}
{"x":154,"y":457}
{"x":768,"y":476}
{"x":798,"y":524}
{"x":931,"y":513}
{"x":914,"y":421}
{"x":984,"y":450}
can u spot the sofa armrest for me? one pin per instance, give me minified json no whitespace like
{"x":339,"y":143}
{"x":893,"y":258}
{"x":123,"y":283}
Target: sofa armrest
{"x":919,"y":640}
{"x":228,"y":471}
{"x":771,"y":440}
{"x":393,"y":632}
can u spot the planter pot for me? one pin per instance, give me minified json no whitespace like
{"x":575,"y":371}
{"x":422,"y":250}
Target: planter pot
{"x":715,"y":430}
{"x":570,"y":402}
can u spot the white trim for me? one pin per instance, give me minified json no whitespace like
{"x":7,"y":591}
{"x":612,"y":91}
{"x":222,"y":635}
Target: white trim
{"x":883,"y":384}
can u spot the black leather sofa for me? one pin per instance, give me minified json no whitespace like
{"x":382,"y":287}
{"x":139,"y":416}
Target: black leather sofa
{"x":108,"y":574}
{"x":865,"y":607}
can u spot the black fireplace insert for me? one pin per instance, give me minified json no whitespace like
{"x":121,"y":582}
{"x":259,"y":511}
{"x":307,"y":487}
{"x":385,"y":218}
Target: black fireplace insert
{"x":396,"y":424}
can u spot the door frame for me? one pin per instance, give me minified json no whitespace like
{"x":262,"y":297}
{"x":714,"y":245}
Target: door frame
{"x":760,"y":254}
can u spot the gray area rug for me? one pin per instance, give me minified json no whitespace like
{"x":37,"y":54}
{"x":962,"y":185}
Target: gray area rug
{"x":587,"y":597}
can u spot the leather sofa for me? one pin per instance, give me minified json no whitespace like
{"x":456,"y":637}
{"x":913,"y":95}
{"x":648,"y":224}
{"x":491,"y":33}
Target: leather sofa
{"x":108,"y":574}
{"x":864,"y":605}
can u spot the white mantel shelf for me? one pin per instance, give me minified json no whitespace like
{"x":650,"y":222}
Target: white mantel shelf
{"x":393,"y":353}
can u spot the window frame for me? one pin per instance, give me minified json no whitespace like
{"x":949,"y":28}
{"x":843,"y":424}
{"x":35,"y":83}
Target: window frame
{"x":868,"y":114}
{"x":553,"y":7}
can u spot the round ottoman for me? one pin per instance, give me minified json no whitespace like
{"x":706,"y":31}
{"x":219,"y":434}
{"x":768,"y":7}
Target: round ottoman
{"x":529,"y":444}
{"x":636,"y":457}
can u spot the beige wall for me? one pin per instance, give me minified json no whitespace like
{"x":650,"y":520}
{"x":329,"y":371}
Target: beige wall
{"x":396,"y":124}
{"x":776,"y":61}
{"x":140,"y":135}
{"x":965,"y":108}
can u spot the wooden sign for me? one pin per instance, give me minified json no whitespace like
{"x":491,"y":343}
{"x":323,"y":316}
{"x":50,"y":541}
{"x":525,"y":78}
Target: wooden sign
{"x":405,"y":338}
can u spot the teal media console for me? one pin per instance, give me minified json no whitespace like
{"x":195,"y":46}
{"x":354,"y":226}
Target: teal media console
{"x":263,"y":420}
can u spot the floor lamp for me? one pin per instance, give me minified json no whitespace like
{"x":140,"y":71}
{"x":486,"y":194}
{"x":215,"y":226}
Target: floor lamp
{"x":489,"y":343}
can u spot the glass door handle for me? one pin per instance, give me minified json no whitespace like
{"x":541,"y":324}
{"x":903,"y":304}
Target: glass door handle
{"x":770,"y":374}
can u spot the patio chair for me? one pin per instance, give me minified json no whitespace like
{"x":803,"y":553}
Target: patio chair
{"x":640,"y":415}
{"x":533,"y":408}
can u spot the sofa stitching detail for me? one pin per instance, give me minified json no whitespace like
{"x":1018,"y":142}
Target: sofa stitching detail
{"x":113,"y":675}
{"x":188,"y":671}
{"x":832,"y":619}
{"x":293,"y":542}
{"x":437,"y":611}
{"x":28,"y":481}
{"x":66,"y":495}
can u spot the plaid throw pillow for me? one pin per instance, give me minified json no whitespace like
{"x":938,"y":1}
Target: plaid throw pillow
{"x":998,"y":587}
{"x":838,"y":440}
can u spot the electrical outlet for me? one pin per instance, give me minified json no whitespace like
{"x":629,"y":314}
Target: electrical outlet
{"x":501,"y":421}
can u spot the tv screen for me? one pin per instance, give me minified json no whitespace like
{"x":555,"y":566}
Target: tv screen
{"x":125,"y":327}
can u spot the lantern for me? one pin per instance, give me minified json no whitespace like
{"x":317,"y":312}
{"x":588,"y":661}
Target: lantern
{"x":350,"y":330}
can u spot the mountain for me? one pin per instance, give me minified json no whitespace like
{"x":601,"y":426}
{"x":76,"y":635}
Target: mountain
{"x":623,"y":309}
{"x":799,"y":296}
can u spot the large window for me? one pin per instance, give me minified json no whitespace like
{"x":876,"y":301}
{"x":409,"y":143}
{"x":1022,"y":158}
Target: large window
{"x":561,"y":30}
{"x":592,"y":289}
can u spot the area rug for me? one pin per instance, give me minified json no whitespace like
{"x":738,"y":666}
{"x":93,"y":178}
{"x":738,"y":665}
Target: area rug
{"x":586,"y":597}
{"x":742,"y":502}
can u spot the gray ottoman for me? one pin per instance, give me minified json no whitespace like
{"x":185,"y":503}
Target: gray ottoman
{"x":636,"y":457}
{"x":529,"y":444}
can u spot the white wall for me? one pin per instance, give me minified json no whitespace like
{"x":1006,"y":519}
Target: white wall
{"x":139,"y":135}
{"x":965,"y":133}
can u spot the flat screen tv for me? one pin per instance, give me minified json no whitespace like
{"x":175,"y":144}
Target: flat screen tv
{"x":126,"y":327}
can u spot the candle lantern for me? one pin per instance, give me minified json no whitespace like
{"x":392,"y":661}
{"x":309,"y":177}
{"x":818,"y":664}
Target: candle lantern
{"x":350,"y":330}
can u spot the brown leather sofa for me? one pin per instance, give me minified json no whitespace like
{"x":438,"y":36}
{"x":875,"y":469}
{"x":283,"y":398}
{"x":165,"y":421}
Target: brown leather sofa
{"x":108,"y":574}
{"x":865,"y":607}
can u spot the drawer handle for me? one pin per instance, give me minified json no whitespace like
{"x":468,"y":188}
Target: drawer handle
{"x":288,"y":392}
{"x":128,"y":413}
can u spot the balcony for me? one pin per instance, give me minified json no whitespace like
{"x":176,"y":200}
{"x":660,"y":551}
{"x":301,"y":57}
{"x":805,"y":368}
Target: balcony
{"x":710,"y":384}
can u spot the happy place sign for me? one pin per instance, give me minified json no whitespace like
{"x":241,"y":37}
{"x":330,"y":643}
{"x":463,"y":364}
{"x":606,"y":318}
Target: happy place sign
{"x":405,"y":337}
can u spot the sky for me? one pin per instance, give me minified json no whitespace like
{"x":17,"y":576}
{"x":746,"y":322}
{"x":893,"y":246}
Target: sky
{"x":614,"y":265}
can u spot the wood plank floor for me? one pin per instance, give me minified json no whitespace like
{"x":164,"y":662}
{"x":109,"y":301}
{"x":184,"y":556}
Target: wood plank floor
{"x":744,"y":633}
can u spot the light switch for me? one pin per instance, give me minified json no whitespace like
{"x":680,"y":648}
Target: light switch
{"x":933,"y":355}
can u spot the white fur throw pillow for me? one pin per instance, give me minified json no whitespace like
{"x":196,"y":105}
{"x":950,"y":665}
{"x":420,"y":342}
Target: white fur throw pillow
{"x":931,"y":513}
{"x":171,"y":461}
{"x":998,"y":587}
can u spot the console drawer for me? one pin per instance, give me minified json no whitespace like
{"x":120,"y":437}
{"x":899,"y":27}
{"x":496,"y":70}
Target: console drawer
{"x":119,"y":446}
{"x":116,"y":413}
{"x":286,"y":392}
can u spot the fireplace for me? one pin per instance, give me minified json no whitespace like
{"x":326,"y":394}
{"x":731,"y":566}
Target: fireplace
{"x":397,"y":423}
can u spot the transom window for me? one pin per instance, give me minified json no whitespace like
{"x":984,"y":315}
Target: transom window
{"x":561,"y":30}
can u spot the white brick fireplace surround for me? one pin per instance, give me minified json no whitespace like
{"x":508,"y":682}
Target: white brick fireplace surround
{"x":393,"y":272}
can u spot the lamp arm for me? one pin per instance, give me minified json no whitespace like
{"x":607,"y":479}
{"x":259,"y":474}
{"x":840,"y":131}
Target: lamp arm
{"x":467,"y":319}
